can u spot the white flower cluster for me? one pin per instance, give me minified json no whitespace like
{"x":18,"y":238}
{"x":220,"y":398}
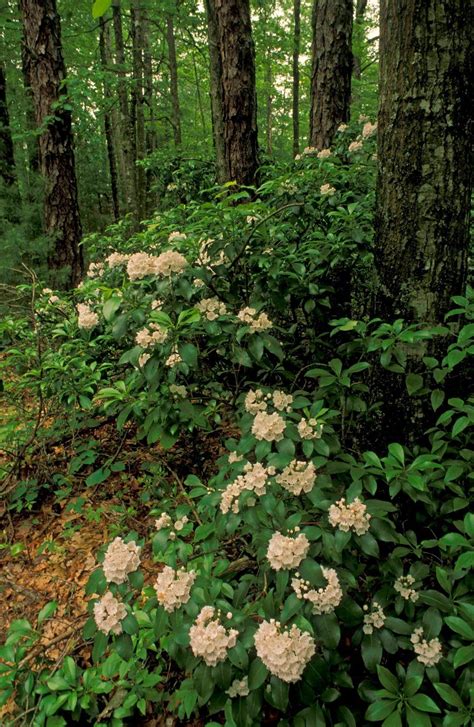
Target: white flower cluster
{"x":116,"y":259}
{"x":427,"y":652}
{"x":310,"y":429}
{"x":324,"y":154}
{"x":87,"y":318}
{"x":141,"y":264}
{"x":156,"y":304}
{"x":324,"y":600}
{"x":368,"y":129}
{"x":206,"y":259}
{"x":342,"y":127}
{"x":95,"y":270}
{"x":309,"y":150}
{"x":297,"y":477}
{"x":375,"y":619}
{"x":178,"y":390}
{"x":109,"y":613}
{"x":150,"y":337}
{"x":403,"y":585}
{"x":327,"y":189}
{"x":120,"y":559}
{"x":350,"y":517}
{"x":209,"y":639}
{"x":234,"y":457}
{"x":282,"y":401}
{"x":256,"y":321}
{"x":254,"y":479}
{"x":164,"y":521}
{"x":173,"y":587}
{"x":284,"y":651}
{"x":268,"y":427}
{"x":173,"y":359}
{"x":143,"y":358}
{"x":176,"y":236}
{"x":239,"y":688}
{"x":255,"y":401}
{"x":211,"y":308}
{"x":284,"y":553}
{"x":355,"y":145}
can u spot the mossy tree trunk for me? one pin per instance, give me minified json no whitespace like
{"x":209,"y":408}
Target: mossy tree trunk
{"x":239,"y":102}
{"x":425,"y":141}
{"x":332,"y":64}
{"x":46,"y":72}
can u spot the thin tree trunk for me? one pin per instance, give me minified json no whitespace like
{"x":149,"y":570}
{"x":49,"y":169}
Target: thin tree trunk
{"x":7,"y":158}
{"x":238,"y":90}
{"x":360,"y":10}
{"x":126,"y":157}
{"x":331,"y":69}
{"x":296,"y":75}
{"x":173,"y":66}
{"x":215,"y":73}
{"x":104,"y":45}
{"x":198,"y":96}
{"x":269,"y":80}
{"x":46,"y":71}
{"x":32,"y":139}
{"x":138,"y":106}
{"x":151,"y":141}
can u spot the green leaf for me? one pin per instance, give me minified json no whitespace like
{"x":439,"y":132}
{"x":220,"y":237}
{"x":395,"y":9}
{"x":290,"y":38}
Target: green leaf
{"x":130,"y":624}
{"x":396,"y":450}
{"x":449,"y":695}
{"x":460,"y":425}
{"x":371,"y":650}
{"x":111,"y":306}
{"x":423,"y":703}
{"x":461,"y":627}
{"x":258,"y":672}
{"x":47,"y":611}
{"x":380,"y":710}
{"x":437,"y":398}
{"x":414,"y":382}
{"x":100,"y":7}
{"x":463,"y":655}
{"x":96,"y":583}
{"x":328,"y":630}
{"x":124,"y":646}
{"x":393,"y":720}
{"x":387,"y":679}
{"x":98,"y":476}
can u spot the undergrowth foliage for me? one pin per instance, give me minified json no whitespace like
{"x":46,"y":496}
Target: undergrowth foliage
{"x":310,"y":579}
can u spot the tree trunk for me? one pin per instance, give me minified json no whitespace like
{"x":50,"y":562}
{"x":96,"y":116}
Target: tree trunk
{"x":7,"y":159}
{"x":46,"y":71}
{"x":32,"y":140}
{"x":238,"y":90}
{"x":173,"y":66}
{"x":104,"y":45}
{"x":296,"y":75}
{"x":138,"y":106}
{"x":360,"y":10}
{"x":126,"y":157}
{"x":425,"y":134}
{"x":331,"y":69}
{"x":423,"y":189}
{"x":268,"y":83}
{"x":215,"y":73}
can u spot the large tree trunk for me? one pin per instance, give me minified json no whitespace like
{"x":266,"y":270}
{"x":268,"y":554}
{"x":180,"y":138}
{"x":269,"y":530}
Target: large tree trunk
{"x":296,"y":75}
{"x":238,"y":90}
{"x":424,"y":187}
{"x":46,"y":71}
{"x":425,"y":134}
{"x":32,"y":139}
{"x":7,"y":159}
{"x":125,"y":147}
{"x":138,"y":107}
{"x":331,"y":69}
{"x":104,"y":45}
{"x":217,"y":109}
{"x":173,"y":66}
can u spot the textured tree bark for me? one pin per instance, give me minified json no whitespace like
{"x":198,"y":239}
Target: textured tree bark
{"x":32,"y":140}
{"x":296,"y":75}
{"x":361,"y":7}
{"x":173,"y":66}
{"x":7,"y":158}
{"x":126,"y":156}
{"x":425,"y":142}
{"x":138,"y":106}
{"x":238,"y":90}
{"x":331,"y":69}
{"x":269,"y":82}
{"x":46,"y":71}
{"x":104,"y":45}
{"x":215,"y":73}
{"x":423,"y":189}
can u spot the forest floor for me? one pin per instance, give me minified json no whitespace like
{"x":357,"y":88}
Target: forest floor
{"x":48,"y":554}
